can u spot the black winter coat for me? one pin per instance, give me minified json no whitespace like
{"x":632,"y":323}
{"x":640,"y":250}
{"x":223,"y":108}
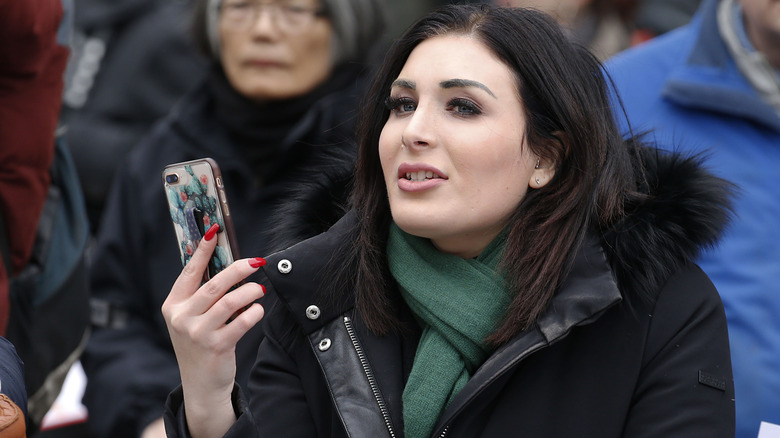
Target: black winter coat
{"x":131,"y":61}
{"x":633,"y":344}
{"x":129,"y":361}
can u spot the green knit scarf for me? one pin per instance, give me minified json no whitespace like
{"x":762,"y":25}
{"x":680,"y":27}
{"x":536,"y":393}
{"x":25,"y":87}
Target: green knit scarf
{"x":459,"y":303}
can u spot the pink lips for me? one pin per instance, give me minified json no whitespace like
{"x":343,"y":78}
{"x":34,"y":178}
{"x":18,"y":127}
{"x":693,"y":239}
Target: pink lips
{"x":418,"y":177}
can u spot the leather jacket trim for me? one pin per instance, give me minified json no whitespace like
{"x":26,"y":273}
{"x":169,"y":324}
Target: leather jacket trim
{"x":348,"y":374}
{"x":588,"y":291}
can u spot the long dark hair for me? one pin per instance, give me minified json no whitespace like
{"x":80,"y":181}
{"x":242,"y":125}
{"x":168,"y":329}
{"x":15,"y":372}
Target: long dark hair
{"x":569,"y":123}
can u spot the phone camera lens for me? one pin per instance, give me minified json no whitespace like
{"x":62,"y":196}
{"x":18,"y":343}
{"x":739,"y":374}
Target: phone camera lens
{"x":172,"y":178}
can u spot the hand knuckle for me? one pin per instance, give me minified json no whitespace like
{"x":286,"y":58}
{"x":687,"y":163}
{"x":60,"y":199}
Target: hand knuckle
{"x":230,"y":302}
{"x":243,"y":324}
{"x":189,"y":269}
{"x":198,"y":333}
{"x":212,"y":288}
{"x":175,"y":321}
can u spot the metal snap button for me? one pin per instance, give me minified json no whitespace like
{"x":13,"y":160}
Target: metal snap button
{"x":284,"y":266}
{"x":324,"y":344}
{"x":312,"y":312}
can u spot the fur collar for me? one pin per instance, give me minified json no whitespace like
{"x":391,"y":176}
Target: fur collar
{"x":686,"y":210}
{"x":316,"y":197}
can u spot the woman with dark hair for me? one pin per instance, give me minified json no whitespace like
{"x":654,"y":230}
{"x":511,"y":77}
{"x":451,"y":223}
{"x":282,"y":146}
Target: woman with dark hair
{"x":510,"y":266}
{"x":277,"y":112}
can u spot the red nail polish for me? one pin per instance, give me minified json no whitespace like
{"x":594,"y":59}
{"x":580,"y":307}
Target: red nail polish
{"x":257,"y":262}
{"x":263,"y":287}
{"x":211,"y":232}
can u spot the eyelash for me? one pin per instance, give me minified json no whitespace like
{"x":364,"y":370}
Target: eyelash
{"x":393,"y":104}
{"x":472,"y":107}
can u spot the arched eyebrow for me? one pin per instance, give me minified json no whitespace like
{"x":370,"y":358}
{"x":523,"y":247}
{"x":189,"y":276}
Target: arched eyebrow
{"x":454,"y":83}
{"x":450,"y":83}
{"x":403,"y":83}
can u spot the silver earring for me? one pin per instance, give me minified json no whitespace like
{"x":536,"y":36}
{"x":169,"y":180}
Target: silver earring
{"x":537,"y":166}
{"x":537,"y":180}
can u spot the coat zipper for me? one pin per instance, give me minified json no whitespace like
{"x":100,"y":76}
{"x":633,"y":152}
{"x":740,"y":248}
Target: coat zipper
{"x":369,"y":375}
{"x":529,"y":351}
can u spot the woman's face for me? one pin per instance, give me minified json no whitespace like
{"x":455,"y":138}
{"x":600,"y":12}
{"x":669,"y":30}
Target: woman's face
{"x":452,"y":150}
{"x":267,"y":58}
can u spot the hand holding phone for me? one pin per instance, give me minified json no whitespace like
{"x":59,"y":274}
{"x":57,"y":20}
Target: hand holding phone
{"x":196,"y":198}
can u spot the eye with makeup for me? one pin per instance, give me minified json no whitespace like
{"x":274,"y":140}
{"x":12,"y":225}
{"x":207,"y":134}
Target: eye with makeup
{"x":464,"y":107}
{"x":400,"y":105}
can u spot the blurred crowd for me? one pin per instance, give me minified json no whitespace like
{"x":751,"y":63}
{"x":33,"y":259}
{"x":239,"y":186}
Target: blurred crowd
{"x":132,"y":60}
{"x":150,"y":82}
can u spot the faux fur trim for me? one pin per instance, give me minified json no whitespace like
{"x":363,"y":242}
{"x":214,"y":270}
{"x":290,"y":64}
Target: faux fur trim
{"x":686,"y":210}
{"x":316,"y":198}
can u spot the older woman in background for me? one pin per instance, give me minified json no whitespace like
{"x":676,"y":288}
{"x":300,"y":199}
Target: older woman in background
{"x":277,"y":113}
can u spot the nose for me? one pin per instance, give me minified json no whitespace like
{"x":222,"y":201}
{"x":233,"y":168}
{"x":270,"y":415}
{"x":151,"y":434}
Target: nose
{"x":265,"y":20}
{"x":420,"y":129}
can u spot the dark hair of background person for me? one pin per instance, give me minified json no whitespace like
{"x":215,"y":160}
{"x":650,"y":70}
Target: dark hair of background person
{"x":569,"y":122}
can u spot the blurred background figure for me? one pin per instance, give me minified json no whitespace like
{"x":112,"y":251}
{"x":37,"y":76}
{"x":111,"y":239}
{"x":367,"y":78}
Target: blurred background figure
{"x":604,"y":26}
{"x":276,"y":110}
{"x":32,"y":62}
{"x":713,"y":87}
{"x":44,"y":309}
{"x":656,"y":17}
{"x":132,"y":60}
{"x":13,"y":397}
{"x":607,"y":27}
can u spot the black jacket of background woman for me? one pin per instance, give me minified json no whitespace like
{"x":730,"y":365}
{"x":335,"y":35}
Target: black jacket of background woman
{"x":286,"y":168}
{"x":633,"y":344}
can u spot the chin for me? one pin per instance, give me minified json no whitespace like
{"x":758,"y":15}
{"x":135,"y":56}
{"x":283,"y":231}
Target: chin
{"x":264,"y":94}
{"x":420,"y":227}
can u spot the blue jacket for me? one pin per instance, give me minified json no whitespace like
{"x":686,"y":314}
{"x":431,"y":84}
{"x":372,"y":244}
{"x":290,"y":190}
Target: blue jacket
{"x":687,"y":89}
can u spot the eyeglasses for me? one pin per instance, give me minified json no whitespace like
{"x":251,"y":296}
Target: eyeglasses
{"x":288,"y":14}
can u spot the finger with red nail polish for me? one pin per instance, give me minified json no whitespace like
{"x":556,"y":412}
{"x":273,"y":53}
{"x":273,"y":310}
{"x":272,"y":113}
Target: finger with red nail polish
{"x":212,"y":231}
{"x":257,"y":262}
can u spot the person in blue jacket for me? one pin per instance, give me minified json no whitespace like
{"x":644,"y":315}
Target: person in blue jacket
{"x":713,"y":87}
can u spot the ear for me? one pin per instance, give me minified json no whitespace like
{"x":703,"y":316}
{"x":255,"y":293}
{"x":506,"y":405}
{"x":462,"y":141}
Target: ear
{"x":543,"y":173}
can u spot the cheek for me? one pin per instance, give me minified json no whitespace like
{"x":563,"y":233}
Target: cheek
{"x":505,"y":172}
{"x":315,"y":55}
{"x":495,"y":162}
{"x":316,"y":63}
{"x":517,"y":177}
{"x":230,"y":46}
{"x":387,"y":150}
{"x":237,"y":78}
